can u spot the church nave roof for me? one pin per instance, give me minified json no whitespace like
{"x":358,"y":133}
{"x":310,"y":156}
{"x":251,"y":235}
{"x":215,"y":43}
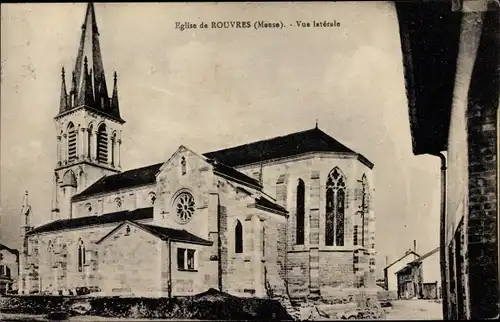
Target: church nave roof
{"x":312,"y":140}
{"x":81,"y":222}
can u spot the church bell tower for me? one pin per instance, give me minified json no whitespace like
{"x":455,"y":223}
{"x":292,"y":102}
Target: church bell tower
{"x":88,"y":125}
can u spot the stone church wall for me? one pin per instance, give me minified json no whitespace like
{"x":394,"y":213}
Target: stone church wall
{"x":65,"y":245}
{"x":333,"y":265}
{"x":198,"y":181}
{"x":127,"y":199}
{"x":130,"y":263}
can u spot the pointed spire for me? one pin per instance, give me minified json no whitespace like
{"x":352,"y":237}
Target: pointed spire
{"x":89,"y":47}
{"x":114,"y":100}
{"x":316,"y":123}
{"x":63,"y":103}
{"x":26,"y":214}
{"x":88,"y":82}
{"x":25,"y":207}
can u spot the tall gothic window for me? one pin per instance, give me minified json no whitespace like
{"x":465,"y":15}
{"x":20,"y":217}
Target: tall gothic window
{"x":81,"y":255}
{"x":71,"y":142}
{"x":335,"y":209}
{"x":102,"y":144}
{"x":300,"y":212}
{"x":238,"y":238}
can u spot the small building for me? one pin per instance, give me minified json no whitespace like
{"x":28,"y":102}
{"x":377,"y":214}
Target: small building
{"x":420,"y":277}
{"x":9,"y":264}
{"x":391,"y":282}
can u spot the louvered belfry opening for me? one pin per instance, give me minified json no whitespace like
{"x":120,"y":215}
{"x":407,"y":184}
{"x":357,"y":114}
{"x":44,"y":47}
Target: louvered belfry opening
{"x":71,"y":142}
{"x":102,"y":144}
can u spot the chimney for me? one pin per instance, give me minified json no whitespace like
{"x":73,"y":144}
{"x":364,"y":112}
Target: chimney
{"x":415,"y":245}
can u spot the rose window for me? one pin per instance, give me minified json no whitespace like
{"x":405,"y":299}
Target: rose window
{"x":184,"y":207}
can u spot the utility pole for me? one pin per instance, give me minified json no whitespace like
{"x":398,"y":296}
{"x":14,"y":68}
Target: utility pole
{"x":363,"y":210}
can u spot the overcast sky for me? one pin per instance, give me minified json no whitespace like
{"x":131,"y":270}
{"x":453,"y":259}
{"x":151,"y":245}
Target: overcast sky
{"x":211,"y":89}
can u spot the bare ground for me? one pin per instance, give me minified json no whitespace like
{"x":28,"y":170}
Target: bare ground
{"x":415,"y":310}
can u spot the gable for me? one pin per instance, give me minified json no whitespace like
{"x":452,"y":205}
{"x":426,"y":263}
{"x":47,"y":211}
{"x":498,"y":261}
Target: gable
{"x":217,"y":167}
{"x":401,"y":258}
{"x":159,"y":232}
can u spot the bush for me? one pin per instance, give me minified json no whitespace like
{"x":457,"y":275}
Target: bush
{"x":208,"y":305}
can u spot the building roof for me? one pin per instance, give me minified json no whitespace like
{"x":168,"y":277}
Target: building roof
{"x":234,"y":174}
{"x":313,"y":140}
{"x":223,"y":161}
{"x":418,"y":260}
{"x":402,"y":257}
{"x":421,"y":258}
{"x":266,"y":203}
{"x":164,"y":233}
{"x":177,"y":235}
{"x":11,"y":250}
{"x":73,"y":223}
{"x":127,"y":179}
{"x":429,"y":34}
{"x":405,"y":269}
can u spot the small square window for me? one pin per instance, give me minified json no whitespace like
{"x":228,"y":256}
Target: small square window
{"x":185,"y":259}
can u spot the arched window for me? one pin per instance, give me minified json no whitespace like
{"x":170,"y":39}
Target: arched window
{"x":118,"y":202}
{"x":102,"y":144}
{"x":90,"y":131}
{"x":81,"y":255}
{"x":113,"y":148}
{"x":335,"y":209}
{"x":152,"y":197}
{"x":50,"y":254}
{"x":183,"y":165}
{"x":238,"y":238}
{"x":60,"y":146}
{"x":72,"y":132}
{"x":300,"y":212}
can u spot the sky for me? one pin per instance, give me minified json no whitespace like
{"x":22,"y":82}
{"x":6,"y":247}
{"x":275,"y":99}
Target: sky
{"x":209,"y":89}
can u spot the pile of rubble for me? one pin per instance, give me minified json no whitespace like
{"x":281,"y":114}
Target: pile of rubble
{"x":340,"y":310}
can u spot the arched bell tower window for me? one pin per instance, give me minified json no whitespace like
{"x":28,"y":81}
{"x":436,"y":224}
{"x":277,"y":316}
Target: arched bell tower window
{"x":300,"y":212}
{"x":90,"y":131}
{"x":335,"y":208}
{"x":71,"y":142}
{"x":238,"y":238}
{"x":113,"y":148}
{"x":81,"y":255}
{"x":102,"y":144}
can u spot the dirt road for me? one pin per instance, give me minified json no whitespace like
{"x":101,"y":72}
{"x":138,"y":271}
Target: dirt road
{"x":415,"y":310}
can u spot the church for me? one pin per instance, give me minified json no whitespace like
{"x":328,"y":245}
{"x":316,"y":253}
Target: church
{"x":286,"y":215}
